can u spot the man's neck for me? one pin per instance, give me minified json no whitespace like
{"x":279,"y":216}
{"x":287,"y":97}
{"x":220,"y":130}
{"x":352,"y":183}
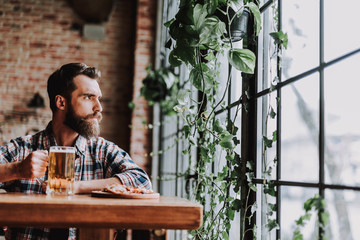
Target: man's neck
{"x":64,"y":135}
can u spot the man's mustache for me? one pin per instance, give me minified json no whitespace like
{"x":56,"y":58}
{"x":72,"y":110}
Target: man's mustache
{"x":94,"y":115}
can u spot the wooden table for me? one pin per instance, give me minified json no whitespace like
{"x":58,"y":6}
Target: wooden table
{"x":84,"y":211}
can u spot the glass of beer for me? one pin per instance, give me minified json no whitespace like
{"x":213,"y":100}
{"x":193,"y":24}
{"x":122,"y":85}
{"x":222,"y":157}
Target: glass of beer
{"x":61,"y":170}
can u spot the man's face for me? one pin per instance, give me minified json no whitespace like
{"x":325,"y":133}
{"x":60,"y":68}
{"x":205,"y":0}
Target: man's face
{"x":83,"y":114}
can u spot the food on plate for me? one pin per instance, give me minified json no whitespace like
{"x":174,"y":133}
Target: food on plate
{"x":118,"y":188}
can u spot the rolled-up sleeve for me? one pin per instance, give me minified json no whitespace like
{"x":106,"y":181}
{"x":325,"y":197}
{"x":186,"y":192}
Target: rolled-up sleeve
{"x":119,"y":164}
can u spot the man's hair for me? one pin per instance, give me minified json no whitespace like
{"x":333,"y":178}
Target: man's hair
{"x":61,"y":82}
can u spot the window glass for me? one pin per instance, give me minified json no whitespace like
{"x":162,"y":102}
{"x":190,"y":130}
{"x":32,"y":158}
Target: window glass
{"x":344,"y":210}
{"x":342,"y":151}
{"x":341,"y":27}
{"x":301,"y":22}
{"x":300,"y":130}
{"x":267,"y":52}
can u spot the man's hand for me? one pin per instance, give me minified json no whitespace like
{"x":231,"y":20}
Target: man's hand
{"x":34,"y":165}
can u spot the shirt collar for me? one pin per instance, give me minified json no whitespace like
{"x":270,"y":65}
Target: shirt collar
{"x":49,"y":140}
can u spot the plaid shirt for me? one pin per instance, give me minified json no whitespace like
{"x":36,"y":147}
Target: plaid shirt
{"x":95,"y":158}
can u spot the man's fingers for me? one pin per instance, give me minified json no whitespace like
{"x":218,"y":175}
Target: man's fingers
{"x":42,"y":155}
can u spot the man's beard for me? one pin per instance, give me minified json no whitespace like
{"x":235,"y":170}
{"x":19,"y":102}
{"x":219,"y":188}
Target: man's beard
{"x":81,"y":125}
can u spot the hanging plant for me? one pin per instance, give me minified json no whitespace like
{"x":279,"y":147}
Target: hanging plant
{"x":159,"y":86}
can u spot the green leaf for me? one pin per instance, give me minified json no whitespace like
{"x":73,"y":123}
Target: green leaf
{"x":273,"y":207}
{"x":267,"y":142}
{"x":270,"y":189}
{"x":272,"y":224}
{"x":168,"y":23}
{"x":210,"y":56}
{"x":185,"y":14}
{"x":192,"y":140}
{"x":225,"y":235}
{"x":272,"y":113}
{"x":211,"y":30}
{"x":187,"y":130}
{"x":196,"y":77}
{"x":324,"y":218}
{"x":257,"y":16}
{"x":211,"y":6}
{"x":182,"y":53}
{"x":131,"y":105}
{"x":226,"y":140}
{"x":183,"y":96}
{"x":174,"y":60}
{"x":298,"y":235}
{"x":253,"y":187}
{"x":199,"y":15}
{"x":280,"y":38}
{"x":236,"y":204}
{"x":218,"y":126}
{"x":242,"y":59}
{"x":230,"y":213}
{"x":274,"y":134}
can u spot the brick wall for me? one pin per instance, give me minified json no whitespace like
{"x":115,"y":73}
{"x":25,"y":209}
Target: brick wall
{"x":144,"y":55}
{"x":37,"y":37}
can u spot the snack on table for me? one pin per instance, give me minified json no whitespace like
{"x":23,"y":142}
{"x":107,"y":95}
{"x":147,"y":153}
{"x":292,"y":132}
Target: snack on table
{"x":118,"y":188}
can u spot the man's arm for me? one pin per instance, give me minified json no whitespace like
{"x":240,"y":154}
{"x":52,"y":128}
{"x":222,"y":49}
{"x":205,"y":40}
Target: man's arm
{"x":33,"y":166}
{"x":93,"y":185}
{"x":119,"y":164}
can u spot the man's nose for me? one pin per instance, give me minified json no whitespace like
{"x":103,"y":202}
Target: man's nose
{"x":98,"y":107}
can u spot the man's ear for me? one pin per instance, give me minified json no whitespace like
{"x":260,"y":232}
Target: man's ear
{"x":60,"y":102}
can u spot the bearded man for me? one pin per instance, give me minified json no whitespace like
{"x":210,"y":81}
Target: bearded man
{"x":75,"y":101}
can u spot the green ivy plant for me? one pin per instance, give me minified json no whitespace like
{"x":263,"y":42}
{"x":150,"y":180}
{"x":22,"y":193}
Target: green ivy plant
{"x":160,"y":86}
{"x":200,"y":34}
{"x":314,"y":204}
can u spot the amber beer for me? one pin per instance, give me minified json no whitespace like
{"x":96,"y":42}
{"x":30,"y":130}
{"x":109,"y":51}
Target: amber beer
{"x":61,"y":170}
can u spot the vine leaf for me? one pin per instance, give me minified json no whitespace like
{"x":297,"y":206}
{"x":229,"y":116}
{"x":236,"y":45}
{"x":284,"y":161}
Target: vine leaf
{"x":268,"y":142}
{"x":272,"y":113}
{"x":242,"y":59}
{"x":196,"y":75}
{"x":174,"y":60}
{"x":236,"y":204}
{"x":183,"y":96}
{"x":218,"y":126}
{"x":257,"y":16}
{"x":211,"y":5}
{"x":179,"y":109}
{"x":199,"y":15}
{"x":280,"y":38}
{"x":272,"y":224}
{"x":226,"y":140}
{"x":211,"y":30}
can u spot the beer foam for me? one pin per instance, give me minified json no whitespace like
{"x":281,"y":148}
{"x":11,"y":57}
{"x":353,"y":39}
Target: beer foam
{"x":62,"y":149}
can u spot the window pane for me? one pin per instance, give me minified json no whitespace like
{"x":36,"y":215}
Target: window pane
{"x":292,"y":202}
{"x":301,"y":23}
{"x":341,"y":30}
{"x":299,"y":130}
{"x":344,"y":211}
{"x":266,"y":156}
{"x":342,"y":152}
{"x":267,"y":52}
